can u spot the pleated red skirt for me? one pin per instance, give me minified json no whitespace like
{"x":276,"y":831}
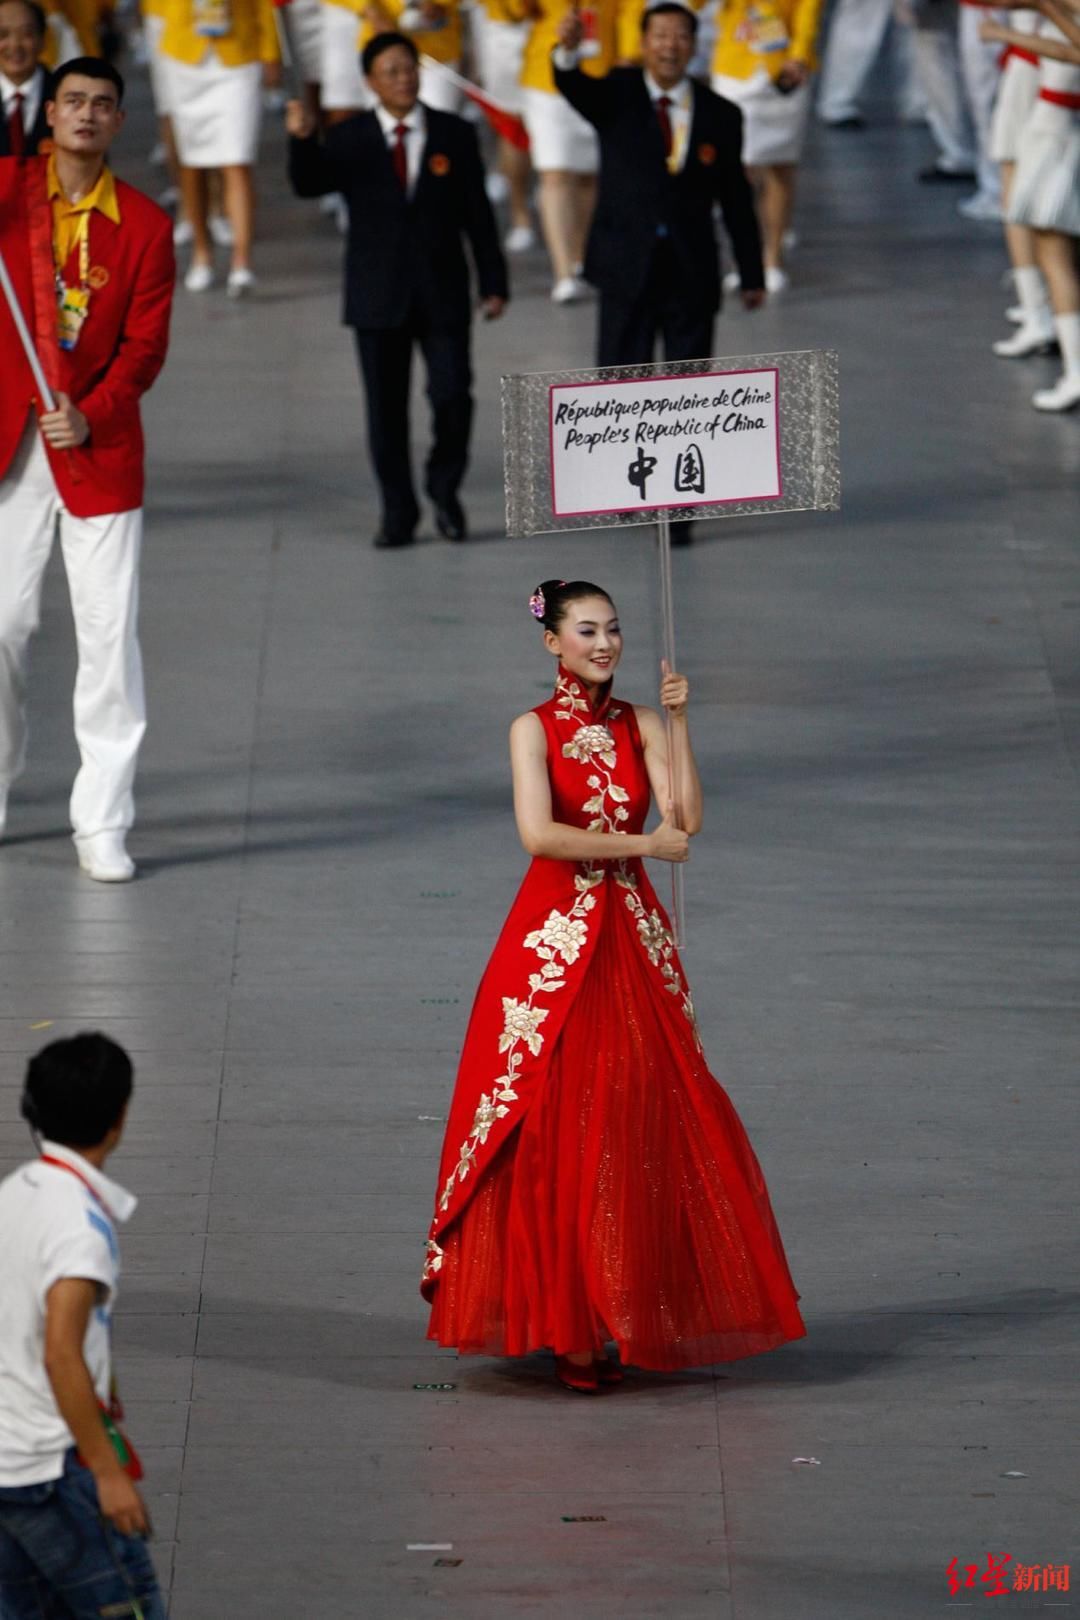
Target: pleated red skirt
{"x":629,"y":1206}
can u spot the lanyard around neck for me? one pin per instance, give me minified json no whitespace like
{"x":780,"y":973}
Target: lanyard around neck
{"x":61,"y":1164}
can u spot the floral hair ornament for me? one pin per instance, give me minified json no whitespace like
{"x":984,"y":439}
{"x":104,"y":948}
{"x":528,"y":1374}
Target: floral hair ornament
{"x":537,"y":605}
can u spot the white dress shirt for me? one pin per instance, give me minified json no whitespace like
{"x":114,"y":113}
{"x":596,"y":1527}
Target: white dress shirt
{"x":415,"y":138}
{"x":31,"y":93}
{"x":680,"y":113}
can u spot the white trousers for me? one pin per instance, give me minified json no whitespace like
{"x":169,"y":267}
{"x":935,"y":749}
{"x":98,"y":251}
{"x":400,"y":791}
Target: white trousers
{"x":101,"y":559}
{"x":857,"y":33}
{"x":982,"y":79}
{"x":937,"y":62}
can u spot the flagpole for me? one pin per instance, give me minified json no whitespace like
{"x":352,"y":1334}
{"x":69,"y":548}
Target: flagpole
{"x":25,"y":339}
{"x":667,"y":636}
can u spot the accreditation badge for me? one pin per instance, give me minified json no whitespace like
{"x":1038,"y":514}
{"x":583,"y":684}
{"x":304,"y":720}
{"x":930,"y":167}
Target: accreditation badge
{"x":72,"y":308}
{"x":763,"y":30}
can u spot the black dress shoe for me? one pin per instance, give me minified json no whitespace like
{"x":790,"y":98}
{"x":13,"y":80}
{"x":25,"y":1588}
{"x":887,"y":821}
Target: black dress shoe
{"x":388,"y":537}
{"x":450,"y":518}
{"x":850,"y":121}
{"x":680,"y":533}
{"x":935,"y":175}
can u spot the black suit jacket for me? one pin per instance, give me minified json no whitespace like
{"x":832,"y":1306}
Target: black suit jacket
{"x":639,"y":202}
{"x":407,"y":251}
{"x":40,"y":129}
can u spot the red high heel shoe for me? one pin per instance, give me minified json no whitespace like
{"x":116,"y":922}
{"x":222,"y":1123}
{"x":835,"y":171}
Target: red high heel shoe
{"x":582,"y":1380}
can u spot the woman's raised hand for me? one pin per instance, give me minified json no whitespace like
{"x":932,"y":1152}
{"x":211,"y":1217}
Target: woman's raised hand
{"x":668,"y":842}
{"x":674,"y":690}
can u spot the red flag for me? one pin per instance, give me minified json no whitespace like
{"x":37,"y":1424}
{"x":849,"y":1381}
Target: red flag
{"x":510,"y":125}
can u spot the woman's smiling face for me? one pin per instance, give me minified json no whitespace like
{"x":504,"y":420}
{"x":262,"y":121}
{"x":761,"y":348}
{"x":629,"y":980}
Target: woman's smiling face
{"x":588,"y":641}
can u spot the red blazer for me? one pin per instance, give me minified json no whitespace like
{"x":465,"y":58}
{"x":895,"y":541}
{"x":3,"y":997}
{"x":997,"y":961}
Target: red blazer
{"x":121,"y":348}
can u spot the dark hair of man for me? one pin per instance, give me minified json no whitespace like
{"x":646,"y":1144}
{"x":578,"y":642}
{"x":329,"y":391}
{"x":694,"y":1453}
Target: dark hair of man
{"x":384,"y":42}
{"x":77,"y":1089}
{"x":670,"y":8}
{"x":36,"y":12}
{"x":560,"y":594}
{"x":87,"y":67}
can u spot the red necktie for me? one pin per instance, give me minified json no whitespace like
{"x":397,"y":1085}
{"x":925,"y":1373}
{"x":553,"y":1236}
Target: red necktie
{"x":662,"y":105}
{"x":16,"y":131}
{"x":400,"y":159}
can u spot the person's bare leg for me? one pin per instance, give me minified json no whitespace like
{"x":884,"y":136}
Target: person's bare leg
{"x":1056,"y":254}
{"x":239,"y":194}
{"x":515,"y":165}
{"x":776,"y":198}
{"x":193,"y":196}
{"x":585,"y":206}
{"x":558,"y":220}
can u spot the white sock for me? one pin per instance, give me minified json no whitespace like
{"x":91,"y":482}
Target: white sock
{"x":1030,"y":291}
{"x":1067,"y":328}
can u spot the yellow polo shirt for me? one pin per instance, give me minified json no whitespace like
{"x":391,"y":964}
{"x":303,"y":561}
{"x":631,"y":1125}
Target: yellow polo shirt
{"x":740,"y":21}
{"x":68,"y":216}
{"x":617,"y":33}
{"x":252,"y":35}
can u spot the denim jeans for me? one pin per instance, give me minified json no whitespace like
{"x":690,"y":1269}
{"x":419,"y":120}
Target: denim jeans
{"x":59,"y":1560}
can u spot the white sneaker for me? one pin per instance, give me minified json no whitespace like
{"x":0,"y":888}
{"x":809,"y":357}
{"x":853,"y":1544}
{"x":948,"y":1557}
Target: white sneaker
{"x":241,"y":283}
{"x":1064,"y":395}
{"x":220,"y":230}
{"x":569,"y":290}
{"x":732,"y":281}
{"x":980,"y":206}
{"x":104,"y":858}
{"x":776,"y":280}
{"x":182,"y":233}
{"x":199,"y":278}
{"x":1035,"y":337}
{"x":519,"y":239}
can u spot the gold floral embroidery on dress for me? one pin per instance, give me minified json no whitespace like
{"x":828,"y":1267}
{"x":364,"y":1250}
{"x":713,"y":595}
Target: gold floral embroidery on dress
{"x":659,"y":947}
{"x":433,"y":1260}
{"x":557,"y":943}
{"x":593,"y":745}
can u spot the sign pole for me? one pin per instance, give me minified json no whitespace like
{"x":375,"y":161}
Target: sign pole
{"x":667,"y":638}
{"x":25,"y":339}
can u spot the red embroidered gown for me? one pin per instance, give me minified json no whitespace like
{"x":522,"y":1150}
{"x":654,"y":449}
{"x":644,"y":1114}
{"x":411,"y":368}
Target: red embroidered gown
{"x":596,"y":1182}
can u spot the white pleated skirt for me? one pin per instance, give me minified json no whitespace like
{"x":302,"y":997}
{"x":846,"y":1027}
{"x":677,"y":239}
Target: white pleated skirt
{"x":1046,"y":185}
{"x":559,"y":138}
{"x":774,"y":125}
{"x":215,"y":111}
{"x":1015,"y":98}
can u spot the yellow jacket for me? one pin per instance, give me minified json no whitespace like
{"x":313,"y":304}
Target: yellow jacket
{"x":617,"y":32}
{"x":755,"y":34}
{"x":252,"y":36}
{"x":441,"y":44}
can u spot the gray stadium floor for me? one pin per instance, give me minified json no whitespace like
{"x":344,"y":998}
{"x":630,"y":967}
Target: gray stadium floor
{"x":883,"y":950}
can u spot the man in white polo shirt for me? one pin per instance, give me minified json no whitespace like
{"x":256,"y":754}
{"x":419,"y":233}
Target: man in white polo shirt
{"x":64,"y":1466}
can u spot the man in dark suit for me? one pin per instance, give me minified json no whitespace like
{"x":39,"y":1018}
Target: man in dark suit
{"x":414,"y":184}
{"x":24,"y":83}
{"x":669,"y":149}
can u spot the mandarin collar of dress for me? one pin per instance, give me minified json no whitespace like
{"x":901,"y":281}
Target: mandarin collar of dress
{"x":599,"y":702}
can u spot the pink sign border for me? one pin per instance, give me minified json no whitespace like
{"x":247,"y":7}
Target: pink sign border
{"x":672,"y":376}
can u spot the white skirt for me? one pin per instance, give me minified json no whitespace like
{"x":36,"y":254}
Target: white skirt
{"x":304,"y":22}
{"x":215,"y":111}
{"x":501,"y":49}
{"x":1015,"y":98}
{"x":774,"y":125}
{"x":1046,"y":185}
{"x":559,"y":138}
{"x":344,"y":88}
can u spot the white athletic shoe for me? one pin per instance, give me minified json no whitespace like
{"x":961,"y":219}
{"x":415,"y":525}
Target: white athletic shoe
{"x":776,"y":280}
{"x":1064,"y":395}
{"x":182,"y":233}
{"x":241,"y":283}
{"x":104,"y":858}
{"x":519,"y":239}
{"x":569,"y":290}
{"x":1035,"y":337}
{"x":221,"y":231}
{"x":732,"y":281}
{"x":199,"y":277}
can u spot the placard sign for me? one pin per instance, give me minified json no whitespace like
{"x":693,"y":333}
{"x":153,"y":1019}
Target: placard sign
{"x":663,"y":442}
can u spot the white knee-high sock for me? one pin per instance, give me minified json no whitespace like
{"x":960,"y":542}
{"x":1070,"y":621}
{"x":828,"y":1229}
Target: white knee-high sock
{"x":1031,"y":291}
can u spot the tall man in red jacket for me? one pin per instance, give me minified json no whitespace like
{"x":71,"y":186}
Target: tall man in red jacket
{"x":92,"y":263}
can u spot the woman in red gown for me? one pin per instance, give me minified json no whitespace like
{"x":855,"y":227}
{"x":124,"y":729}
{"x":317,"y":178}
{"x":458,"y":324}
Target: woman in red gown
{"x":596,"y":1183}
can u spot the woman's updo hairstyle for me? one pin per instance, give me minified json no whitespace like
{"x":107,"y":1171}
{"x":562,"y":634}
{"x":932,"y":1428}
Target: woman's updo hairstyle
{"x":551,"y":600}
